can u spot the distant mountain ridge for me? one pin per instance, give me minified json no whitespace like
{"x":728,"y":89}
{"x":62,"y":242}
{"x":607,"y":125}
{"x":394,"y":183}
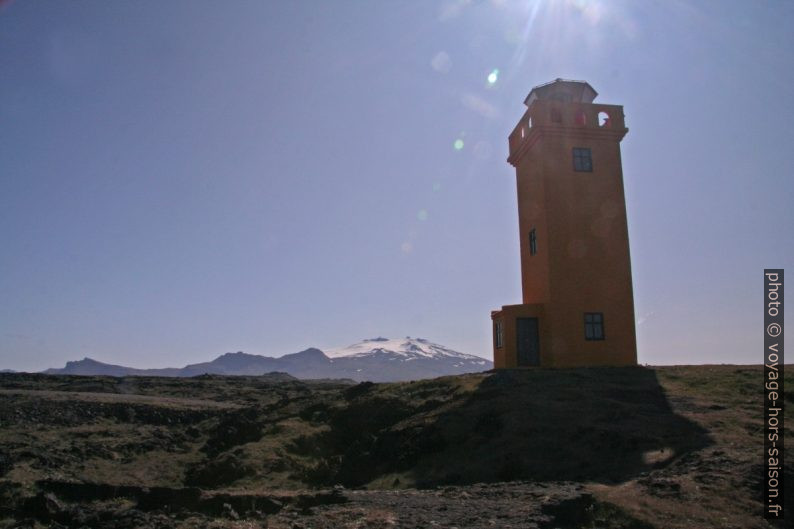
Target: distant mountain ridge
{"x":375,"y":359}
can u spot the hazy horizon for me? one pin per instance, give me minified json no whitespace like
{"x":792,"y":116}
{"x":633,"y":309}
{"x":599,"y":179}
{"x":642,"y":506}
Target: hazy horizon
{"x":278,"y":355}
{"x":179,"y":180}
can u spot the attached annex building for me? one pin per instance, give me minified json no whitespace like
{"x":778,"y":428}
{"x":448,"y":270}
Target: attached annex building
{"x":578,"y":303}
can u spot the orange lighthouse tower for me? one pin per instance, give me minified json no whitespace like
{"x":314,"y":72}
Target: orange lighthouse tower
{"x":578,"y":303}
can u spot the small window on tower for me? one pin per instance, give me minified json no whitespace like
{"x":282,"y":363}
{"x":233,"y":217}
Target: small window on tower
{"x":593,"y":325}
{"x":582,"y":159}
{"x":497,"y":333}
{"x":533,"y":242}
{"x":556,"y":116}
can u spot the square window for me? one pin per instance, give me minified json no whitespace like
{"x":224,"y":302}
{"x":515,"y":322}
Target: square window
{"x":582,"y":159}
{"x":593,"y":326}
{"x":533,"y":242}
{"x":556,"y":116}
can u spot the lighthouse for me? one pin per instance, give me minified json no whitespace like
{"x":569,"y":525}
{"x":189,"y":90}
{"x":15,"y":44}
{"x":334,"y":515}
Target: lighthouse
{"x":577,"y":300}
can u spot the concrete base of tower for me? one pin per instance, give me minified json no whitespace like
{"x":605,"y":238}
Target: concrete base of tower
{"x":534,"y":335}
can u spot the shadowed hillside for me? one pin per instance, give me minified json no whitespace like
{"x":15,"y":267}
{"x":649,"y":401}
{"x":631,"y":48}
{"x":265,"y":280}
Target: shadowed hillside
{"x":604,"y":425}
{"x":602,"y":447}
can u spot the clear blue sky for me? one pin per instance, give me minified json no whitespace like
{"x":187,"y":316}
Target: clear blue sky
{"x":180,"y":179}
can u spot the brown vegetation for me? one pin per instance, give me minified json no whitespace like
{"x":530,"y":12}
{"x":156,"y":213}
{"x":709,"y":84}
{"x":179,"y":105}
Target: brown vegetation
{"x":673,"y":447}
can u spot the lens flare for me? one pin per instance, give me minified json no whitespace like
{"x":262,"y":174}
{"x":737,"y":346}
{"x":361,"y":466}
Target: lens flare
{"x":483,"y":150}
{"x":458,"y":144}
{"x":441,"y":62}
{"x":422,"y":215}
{"x":493,"y":76}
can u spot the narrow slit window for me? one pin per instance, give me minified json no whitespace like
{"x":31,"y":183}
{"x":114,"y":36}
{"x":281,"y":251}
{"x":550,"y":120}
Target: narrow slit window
{"x":533,"y":242}
{"x":497,"y":333}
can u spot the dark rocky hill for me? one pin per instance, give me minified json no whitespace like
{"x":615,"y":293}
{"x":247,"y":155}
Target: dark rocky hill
{"x":672,"y":447}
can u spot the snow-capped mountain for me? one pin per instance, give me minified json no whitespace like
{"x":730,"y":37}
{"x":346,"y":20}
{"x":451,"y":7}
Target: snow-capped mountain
{"x":376,"y":359}
{"x":405,"y":348}
{"x":383,"y":359}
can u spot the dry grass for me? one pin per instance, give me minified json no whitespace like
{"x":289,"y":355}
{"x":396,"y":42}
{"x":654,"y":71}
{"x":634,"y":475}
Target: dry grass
{"x":671,"y":447}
